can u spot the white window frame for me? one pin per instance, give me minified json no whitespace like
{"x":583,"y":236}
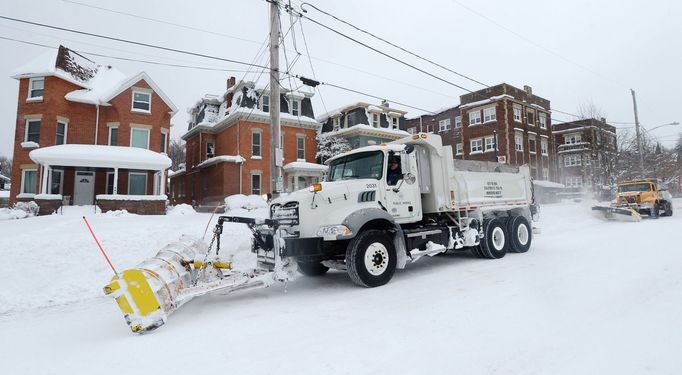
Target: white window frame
{"x":489,"y":114}
{"x":476,"y":146}
{"x":61,"y":180}
{"x":475,"y":118}
{"x":300,"y":137}
{"x":265,"y":107}
{"x":109,"y":140}
{"x":295,"y":111}
{"x":444,"y":125}
{"x":133,"y":130}
{"x":376,"y":120}
{"x":459,"y":149}
{"x":30,"y":96}
{"x":66,"y":131}
{"x":23,"y":182}
{"x":489,"y":144}
{"x":260,"y":144}
{"x":542,"y":120}
{"x":164,"y":141}
{"x":458,"y":122}
{"x":130,"y":174}
{"x":395,"y":124}
{"x":572,"y":161}
{"x":518,"y":113}
{"x":336,"y":123}
{"x":518,"y":142}
{"x":40,"y":125}
{"x":133,"y":101}
{"x":543,"y":147}
{"x":573,"y":138}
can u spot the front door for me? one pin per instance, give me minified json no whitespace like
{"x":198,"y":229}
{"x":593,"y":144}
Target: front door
{"x":84,"y":188}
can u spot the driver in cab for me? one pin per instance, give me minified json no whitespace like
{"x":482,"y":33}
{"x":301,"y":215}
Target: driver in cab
{"x":394,"y":173}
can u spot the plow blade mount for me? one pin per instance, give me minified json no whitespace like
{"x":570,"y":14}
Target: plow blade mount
{"x":618,"y":213}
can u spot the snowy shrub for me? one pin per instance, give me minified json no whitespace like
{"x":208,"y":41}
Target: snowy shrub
{"x":10,"y":214}
{"x":329,"y":146}
{"x":180,"y":210}
{"x":31,"y":208}
{"x":241,"y":201}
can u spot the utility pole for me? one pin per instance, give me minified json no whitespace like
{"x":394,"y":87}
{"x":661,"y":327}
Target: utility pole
{"x":276,"y":183}
{"x":639,"y":140}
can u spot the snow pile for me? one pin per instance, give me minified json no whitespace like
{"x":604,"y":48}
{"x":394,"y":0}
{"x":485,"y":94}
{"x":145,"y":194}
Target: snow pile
{"x":30,"y":208}
{"x":10,"y":214}
{"x":117,"y":213}
{"x":180,"y":210}
{"x":247,"y":202}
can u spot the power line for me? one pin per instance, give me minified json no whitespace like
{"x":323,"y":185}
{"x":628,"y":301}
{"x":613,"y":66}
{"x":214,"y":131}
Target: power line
{"x":127,"y":59}
{"x":391,"y":44}
{"x":162,"y":22}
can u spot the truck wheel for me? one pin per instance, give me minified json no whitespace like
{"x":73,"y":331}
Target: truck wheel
{"x":653,"y":212}
{"x":520,"y":234}
{"x":494,"y":243}
{"x":371,"y":258}
{"x":312,"y":268}
{"x":667,"y":209}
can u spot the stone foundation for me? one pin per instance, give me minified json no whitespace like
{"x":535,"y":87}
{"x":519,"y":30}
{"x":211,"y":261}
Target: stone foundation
{"x":140,"y":207}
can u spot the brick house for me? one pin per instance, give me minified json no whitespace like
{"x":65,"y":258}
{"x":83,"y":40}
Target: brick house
{"x":87,"y":134}
{"x":586,"y":153}
{"x":364,"y":124}
{"x":518,"y":119}
{"x":445,"y":122}
{"x":228,"y":145}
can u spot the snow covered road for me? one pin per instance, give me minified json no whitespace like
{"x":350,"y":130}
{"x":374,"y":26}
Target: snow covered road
{"x":590,"y":297}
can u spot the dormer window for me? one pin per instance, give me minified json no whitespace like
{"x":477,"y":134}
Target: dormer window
{"x":375,"y":120}
{"x":36,"y":87}
{"x":296,"y":107}
{"x":265,"y":103}
{"x":142,"y":101}
{"x":336,"y":123}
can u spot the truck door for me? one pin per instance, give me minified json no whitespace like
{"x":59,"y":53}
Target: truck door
{"x":403,"y":200}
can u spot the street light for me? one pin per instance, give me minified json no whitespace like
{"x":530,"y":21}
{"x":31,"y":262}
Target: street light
{"x":675,"y":123}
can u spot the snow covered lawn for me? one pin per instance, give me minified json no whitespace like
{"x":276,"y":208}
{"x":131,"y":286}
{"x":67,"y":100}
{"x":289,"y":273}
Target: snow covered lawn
{"x":590,"y":297}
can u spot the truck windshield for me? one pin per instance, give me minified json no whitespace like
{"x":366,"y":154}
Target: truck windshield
{"x":634,"y":187}
{"x":360,"y":165}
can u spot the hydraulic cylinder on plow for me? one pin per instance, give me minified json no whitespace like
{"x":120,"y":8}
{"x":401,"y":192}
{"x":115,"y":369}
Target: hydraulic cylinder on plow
{"x":148,"y":293}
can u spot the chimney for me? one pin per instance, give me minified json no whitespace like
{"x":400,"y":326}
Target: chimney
{"x":603,"y":120}
{"x":384,"y":103}
{"x":528,"y":90}
{"x":228,"y":97}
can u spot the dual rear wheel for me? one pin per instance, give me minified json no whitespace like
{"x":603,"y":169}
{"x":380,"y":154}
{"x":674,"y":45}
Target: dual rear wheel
{"x":502,"y":236}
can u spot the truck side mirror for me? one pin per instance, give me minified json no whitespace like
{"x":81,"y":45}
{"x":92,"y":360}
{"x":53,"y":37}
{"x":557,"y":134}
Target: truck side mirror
{"x":409,"y":149}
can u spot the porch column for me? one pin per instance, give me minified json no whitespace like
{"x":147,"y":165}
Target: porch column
{"x":115,"y":191}
{"x":46,"y":172}
{"x":162,"y":183}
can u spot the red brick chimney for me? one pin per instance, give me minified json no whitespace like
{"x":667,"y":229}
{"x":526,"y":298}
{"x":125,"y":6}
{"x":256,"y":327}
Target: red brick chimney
{"x":230,"y":83}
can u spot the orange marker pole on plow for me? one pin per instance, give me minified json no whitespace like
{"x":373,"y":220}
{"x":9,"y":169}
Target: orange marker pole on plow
{"x":100,"y":247}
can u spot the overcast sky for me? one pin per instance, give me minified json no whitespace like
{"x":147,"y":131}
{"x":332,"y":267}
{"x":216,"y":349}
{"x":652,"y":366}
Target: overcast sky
{"x":570,"y":52}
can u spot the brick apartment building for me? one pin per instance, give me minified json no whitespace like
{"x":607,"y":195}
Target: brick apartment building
{"x":228,"y":145}
{"x":586,"y":153}
{"x":518,"y":119}
{"x":445,"y":122}
{"x":364,"y":124}
{"x":86,"y":133}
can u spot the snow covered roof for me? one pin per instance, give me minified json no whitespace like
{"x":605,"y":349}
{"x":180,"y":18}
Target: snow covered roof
{"x":100,"y":83}
{"x":371,"y":130}
{"x":221,"y":159}
{"x":176,"y":173}
{"x":486,"y":101}
{"x":338,"y":111}
{"x":304,"y":166}
{"x":99,"y":156}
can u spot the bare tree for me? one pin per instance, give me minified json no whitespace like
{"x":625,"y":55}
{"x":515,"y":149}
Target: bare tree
{"x":590,"y":110}
{"x":5,"y":166}
{"x":176,"y":153}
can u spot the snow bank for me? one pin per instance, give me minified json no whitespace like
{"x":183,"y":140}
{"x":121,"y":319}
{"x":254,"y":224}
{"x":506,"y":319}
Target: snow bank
{"x":10,"y":214}
{"x":247,"y":202}
{"x":180,"y":210}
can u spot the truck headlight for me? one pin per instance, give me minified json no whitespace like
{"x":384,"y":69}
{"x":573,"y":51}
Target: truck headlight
{"x":333,"y":231}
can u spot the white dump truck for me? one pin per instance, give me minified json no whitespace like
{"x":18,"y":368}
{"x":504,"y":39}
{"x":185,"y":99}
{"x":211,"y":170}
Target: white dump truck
{"x":379,"y":208}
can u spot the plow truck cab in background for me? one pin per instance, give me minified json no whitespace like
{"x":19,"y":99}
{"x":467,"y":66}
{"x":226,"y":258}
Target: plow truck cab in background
{"x":634,"y":198}
{"x":379,"y":208}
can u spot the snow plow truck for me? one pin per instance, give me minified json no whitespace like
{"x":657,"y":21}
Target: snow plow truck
{"x":359,"y":220}
{"x":646,"y":196}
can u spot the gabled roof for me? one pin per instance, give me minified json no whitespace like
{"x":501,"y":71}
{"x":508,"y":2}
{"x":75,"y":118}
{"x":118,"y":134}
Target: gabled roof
{"x":142,"y":76}
{"x":100,"y":83}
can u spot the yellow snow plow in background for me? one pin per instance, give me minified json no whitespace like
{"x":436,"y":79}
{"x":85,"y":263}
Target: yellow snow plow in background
{"x":148,"y":293}
{"x":634,"y":198}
